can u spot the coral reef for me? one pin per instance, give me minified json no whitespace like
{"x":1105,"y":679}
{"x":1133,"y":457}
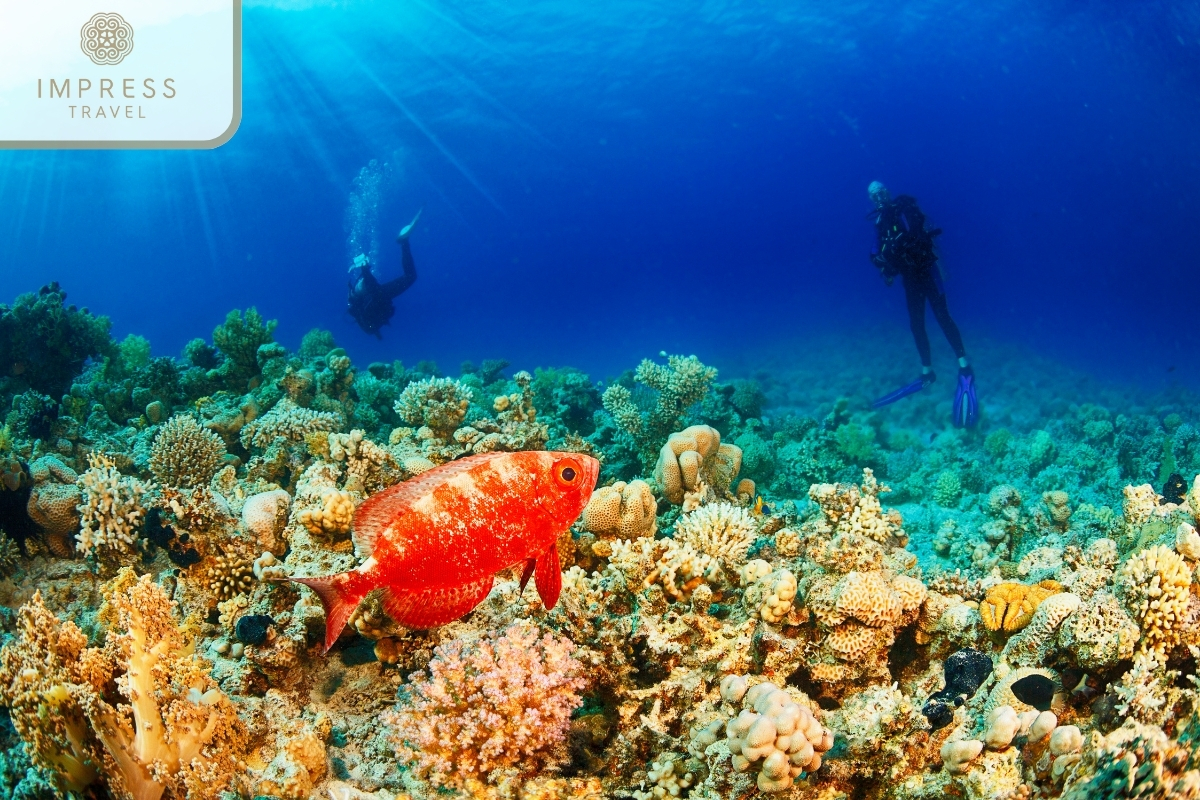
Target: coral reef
{"x":777,"y":592}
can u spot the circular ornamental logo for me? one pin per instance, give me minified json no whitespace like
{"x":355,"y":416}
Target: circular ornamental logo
{"x":106,"y":39}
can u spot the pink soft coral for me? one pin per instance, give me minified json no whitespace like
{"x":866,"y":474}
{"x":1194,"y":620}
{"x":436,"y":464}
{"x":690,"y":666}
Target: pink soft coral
{"x":503,"y":701}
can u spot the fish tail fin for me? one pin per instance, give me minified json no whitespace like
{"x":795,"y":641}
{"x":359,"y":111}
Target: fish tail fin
{"x":338,"y":604}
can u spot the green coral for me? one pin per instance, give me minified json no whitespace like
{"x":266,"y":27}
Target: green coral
{"x":316,"y":344}
{"x":134,"y":352}
{"x":238,"y":339}
{"x":856,"y":442}
{"x":997,"y":442}
{"x":947,"y":489}
{"x":680,"y":384}
{"x":44,"y":344}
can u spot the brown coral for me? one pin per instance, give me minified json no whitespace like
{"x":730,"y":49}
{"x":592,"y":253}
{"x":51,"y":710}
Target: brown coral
{"x":1009,"y":607}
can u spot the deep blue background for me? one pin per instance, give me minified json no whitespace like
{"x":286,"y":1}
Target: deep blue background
{"x":602,"y":181}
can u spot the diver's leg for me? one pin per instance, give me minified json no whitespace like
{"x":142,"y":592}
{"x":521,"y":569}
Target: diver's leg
{"x":914,"y":295}
{"x":941,"y":312}
{"x":398,"y":286}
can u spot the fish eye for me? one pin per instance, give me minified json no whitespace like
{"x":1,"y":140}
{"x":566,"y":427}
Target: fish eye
{"x":567,"y":472}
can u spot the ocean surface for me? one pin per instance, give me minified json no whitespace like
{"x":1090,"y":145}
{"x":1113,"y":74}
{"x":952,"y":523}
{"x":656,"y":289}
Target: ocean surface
{"x":604,"y":181}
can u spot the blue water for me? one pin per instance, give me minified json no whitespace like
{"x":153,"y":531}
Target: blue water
{"x":602,"y":181}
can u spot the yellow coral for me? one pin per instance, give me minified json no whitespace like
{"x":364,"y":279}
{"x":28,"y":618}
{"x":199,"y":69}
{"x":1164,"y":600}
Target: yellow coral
{"x":335,"y":517}
{"x":694,"y":458}
{"x":1009,"y":607}
{"x":1155,"y":585}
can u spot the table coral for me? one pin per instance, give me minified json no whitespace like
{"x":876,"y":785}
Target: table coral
{"x":184,"y":454}
{"x":625,"y":510}
{"x":504,"y":700}
{"x":288,"y":422}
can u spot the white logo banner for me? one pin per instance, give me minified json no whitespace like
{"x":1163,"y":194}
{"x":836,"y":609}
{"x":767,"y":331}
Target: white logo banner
{"x":120,"y":73}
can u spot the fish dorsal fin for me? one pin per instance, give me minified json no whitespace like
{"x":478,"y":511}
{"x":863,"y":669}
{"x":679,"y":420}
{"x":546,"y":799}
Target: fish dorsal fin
{"x":378,"y":510}
{"x":428,"y":608}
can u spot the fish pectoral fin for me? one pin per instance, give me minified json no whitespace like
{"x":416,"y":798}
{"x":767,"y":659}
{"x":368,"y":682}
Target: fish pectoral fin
{"x":527,"y":573}
{"x":549,"y":576}
{"x":430,"y":607}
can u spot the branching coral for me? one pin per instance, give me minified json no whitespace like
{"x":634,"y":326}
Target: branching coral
{"x":439,"y":404}
{"x":683,"y":382}
{"x":289,"y":422}
{"x":185,"y":455}
{"x":1155,"y":585}
{"x":44,"y":344}
{"x":238,"y":339}
{"x":720,"y":530}
{"x":502,"y":701}
{"x":856,"y":509}
{"x":333,"y":517}
{"x":111,"y":510}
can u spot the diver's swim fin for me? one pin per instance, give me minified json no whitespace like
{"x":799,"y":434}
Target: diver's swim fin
{"x":407,"y":229}
{"x":966,"y":402}
{"x":900,"y":394}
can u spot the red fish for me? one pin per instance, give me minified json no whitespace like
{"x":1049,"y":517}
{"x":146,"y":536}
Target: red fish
{"x":435,"y":543}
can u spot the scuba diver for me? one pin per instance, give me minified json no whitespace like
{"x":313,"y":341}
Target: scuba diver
{"x":905,"y":247}
{"x":369,"y":301}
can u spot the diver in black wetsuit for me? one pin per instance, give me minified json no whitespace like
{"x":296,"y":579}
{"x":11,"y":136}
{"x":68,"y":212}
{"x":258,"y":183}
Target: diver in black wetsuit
{"x":369,"y":301}
{"x":904,"y":247}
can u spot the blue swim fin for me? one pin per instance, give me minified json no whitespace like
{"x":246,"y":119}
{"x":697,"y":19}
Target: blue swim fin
{"x":966,"y":403}
{"x":901,"y":393}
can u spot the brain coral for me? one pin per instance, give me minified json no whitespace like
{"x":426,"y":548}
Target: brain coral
{"x":504,"y":701}
{"x":53,"y":502}
{"x":184,"y":454}
{"x":624,"y":510}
